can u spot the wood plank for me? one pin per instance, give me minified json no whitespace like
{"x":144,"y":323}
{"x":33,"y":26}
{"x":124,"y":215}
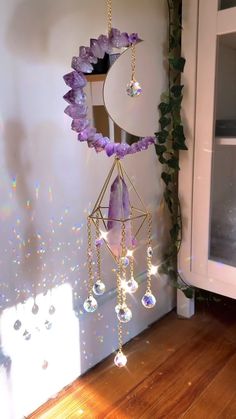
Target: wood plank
{"x":172,"y":387}
{"x":175,"y":366}
{"x":95,"y":392}
{"x":211,"y":404}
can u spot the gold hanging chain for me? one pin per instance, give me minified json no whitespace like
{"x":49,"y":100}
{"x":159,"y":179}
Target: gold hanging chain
{"x":133,"y":62}
{"x":123,"y":254}
{"x":109,"y":16}
{"x":89,"y":258}
{"x":149,"y":257}
{"x":98,"y":249}
{"x":119,"y":302}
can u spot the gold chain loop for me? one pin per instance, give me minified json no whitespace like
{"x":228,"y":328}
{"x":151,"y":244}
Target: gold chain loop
{"x":109,"y":16}
{"x":133,"y":62}
{"x":89,"y":257}
{"x":98,"y":249}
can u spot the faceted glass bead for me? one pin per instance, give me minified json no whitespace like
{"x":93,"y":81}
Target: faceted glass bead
{"x":148,"y":300}
{"x":120,"y":360}
{"x":99,"y":288}
{"x":17,"y":325}
{"x":98,"y":242}
{"x":131,"y":286}
{"x":48,"y":324}
{"x":90,"y":304}
{"x":51,"y":309}
{"x":125,"y":261}
{"x":35,"y":308}
{"x":27,"y":335}
{"x":117,"y":308}
{"x":133,"y":88}
{"x":124,"y":314}
{"x":149,"y":251}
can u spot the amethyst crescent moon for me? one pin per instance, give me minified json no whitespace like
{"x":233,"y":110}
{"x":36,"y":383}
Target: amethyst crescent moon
{"x":77,"y":107}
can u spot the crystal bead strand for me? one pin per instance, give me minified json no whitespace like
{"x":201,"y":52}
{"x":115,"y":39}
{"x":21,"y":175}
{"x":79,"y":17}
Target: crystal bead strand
{"x":124,"y":313}
{"x":120,"y":359}
{"x":90,"y":304}
{"x":131,"y":285}
{"x":149,"y":299}
{"x":133,"y":87}
{"x":99,"y":286}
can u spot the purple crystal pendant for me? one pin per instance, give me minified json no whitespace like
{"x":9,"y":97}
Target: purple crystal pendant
{"x":133,"y":88}
{"x":148,"y":300}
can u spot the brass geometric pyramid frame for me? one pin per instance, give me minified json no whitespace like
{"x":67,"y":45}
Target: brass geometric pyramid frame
{"x":139,"y":213}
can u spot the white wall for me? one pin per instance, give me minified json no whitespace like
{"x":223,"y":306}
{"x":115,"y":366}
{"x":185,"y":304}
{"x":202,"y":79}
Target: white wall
{"x":48,"y":183}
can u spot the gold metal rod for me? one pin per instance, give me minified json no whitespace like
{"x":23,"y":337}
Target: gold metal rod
{"x":135,"y":189}
{"x":102,"y":193}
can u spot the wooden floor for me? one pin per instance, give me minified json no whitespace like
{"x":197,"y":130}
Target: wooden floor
{"x":176,"y":369}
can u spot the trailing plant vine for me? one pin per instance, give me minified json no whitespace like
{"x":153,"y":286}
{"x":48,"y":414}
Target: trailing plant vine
{"x":170,"y":139}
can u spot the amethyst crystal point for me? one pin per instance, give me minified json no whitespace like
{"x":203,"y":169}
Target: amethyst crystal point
{"x":80,"y":64}
{"x":79,"y":125}
{"x":86,"y":134}
{"x":104,"y":43}
{"x":122,"y":150}
{"x":133,"y":38}
{"x":76,"y":111}
{"x":96,"y":48}
{"x":75,"y":97}
{"x":110,"y":149}
{"x":75,"y":80}
{"x":119,"y":209}
{"x":101,"y":143}
{"x":86,"y":54}
{"x":117,"y":39}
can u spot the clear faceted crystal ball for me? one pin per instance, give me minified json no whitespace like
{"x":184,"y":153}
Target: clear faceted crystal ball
{"x":148,"y":300}
{"x":125,"y":261}
{"x":120,"y":360}
{"x":90,"y":304}
{"x":131,"y":286}
{"x":99,"y":288}
{"x":149,"y":251}
{"x":124,"y":314}
{"x":117,"y":308}
{"x":133,"y":88}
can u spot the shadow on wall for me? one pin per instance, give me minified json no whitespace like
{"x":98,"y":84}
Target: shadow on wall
{"x":19,"y":168}
{"x":28,"y":33}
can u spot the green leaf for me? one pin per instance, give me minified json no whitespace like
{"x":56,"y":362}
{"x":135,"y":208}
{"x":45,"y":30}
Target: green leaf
{"x":177,"y":63}
{"x":174,"y":232}
{"x":174,"y":42}
{"x":177,"y":89}
{"x":164,"y":108}
{"x":173,"y":163}
{"x":179,"y":146}
{"x":188,"y":292}
{"x":162,"y":160}
{"x":164,"y":122}
{"x":166,"y":177}
{"x":168,"y":200}
{"x":162,"y":136}
{"x":179,"y":138}
{"x":160,"y":149}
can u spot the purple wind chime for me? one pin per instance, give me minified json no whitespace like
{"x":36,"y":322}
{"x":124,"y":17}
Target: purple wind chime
{"x":116,"y":220}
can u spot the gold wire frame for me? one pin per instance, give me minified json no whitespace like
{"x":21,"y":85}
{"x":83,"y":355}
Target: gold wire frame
{"x":137,"y":213}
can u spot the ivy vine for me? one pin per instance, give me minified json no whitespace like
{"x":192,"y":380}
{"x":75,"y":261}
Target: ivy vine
{"x":170,"y":139}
